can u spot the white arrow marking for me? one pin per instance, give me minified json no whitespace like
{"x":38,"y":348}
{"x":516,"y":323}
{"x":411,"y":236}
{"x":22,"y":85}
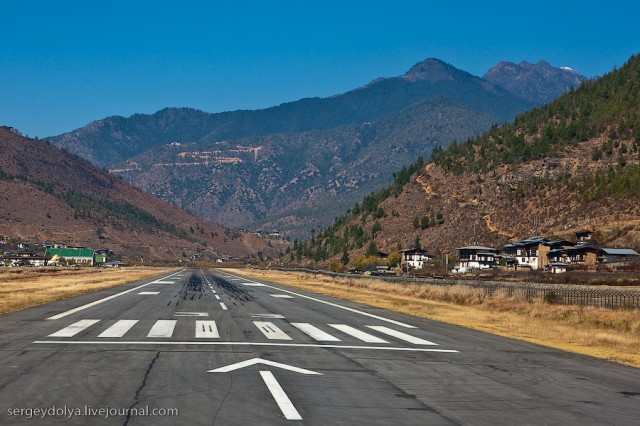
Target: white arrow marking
{"x":254,"y":361}
{"x":283,"y":401}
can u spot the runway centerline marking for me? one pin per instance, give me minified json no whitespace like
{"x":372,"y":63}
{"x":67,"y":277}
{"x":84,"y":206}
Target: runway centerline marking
{"x":104,"y":299}
{"x":191,"y":314}
{"x":346,"y":308}
{"x":223,"y":306}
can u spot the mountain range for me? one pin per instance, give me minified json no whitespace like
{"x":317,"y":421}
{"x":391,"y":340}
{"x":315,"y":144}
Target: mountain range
{"x":569,"y":165}
{"x":295,"y":166}
{"x":50,"y":195}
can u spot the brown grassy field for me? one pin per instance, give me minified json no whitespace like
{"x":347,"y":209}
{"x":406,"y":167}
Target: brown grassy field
{"x":601,"y":333}
{"x":22,"y":288}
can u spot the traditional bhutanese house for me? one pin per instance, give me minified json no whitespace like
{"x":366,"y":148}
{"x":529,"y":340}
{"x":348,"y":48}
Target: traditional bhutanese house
{"x":382,"y":255}
{"x":76,"y":255}
{"x":584,"y":236}
{"x":558,"y":268}
{"x":618,"y":256}
{"x":476,"y":257}
{"x":414,"y":258}
{"x":530,"y":252}
{"x":557,"y":256}
{"x":557,"y":248}
{"x":583,"y":254}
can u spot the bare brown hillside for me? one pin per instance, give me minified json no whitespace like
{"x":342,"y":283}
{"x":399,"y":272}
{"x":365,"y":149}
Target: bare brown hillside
{"x":47,"y":194}
{"x":492,"y":208}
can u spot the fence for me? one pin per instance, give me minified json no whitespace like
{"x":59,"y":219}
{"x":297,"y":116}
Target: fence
{"x":550,"y":293}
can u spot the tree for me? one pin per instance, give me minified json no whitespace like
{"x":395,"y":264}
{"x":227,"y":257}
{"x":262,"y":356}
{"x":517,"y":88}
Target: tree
{"x":394,"y":260}
{"x":345,"y":256}
{"x":372,"y":249}
{"x":424,"y":223}
{"x":416,"y":243}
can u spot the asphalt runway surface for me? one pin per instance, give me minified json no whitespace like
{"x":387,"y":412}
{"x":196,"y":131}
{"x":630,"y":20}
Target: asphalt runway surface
{"x":204,"y":347}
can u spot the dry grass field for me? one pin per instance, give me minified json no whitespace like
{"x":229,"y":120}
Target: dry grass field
{"x":22,"y":288}
{"x":602,"y":333}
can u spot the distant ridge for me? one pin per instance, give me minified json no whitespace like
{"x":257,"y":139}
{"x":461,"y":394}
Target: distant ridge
{"x":295,"y":166}
{"x":539,"y":83}
{"x":50,"y":195}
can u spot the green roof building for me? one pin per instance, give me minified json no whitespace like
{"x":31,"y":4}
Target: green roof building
{"x":76,"y":255}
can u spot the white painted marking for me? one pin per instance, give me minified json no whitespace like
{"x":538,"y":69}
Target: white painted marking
{"x":162,"y":328}
{"x":271,"y":331}
{"x":335,"y":305}
{"x":400,"y":335}
{"x":282,"y":296}
{"x":149,"y":292}
{"x":283,"y":401}
{"x":254,"y":285}
{"x":314,"y":332}
{"x":163,"y":282}
{"x":217,"y":297}
{"x":75,"y":328}
{"x":273,"y":316}
{"x":283,"y":345}
{"x":88,"y":305}
{"x":207,"y":330}
{"x":223,"y":306}
{"x":118,"y":329}
{"x":361,"y":335}
{"x":191,"y":314}
{"x":254,"y":361}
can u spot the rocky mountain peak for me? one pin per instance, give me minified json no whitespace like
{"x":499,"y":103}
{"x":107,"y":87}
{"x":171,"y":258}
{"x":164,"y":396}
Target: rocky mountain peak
{"x":540,"y":83}
{"x":431,"y":69}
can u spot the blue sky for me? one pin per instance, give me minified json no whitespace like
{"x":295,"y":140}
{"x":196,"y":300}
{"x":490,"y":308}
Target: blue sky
{"x":64,"y":64}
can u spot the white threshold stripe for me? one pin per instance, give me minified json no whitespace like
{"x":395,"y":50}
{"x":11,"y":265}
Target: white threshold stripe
{"x":118,"y":329}
{"x":149,"y":292}
{"x":207,"y":330}
{"x":254,"y":285}
{"x":400,"y":335}
{"x":162,"y":328}
{"x":346,"y":308}
{"x":75,"y":328}
{"x":223,"y":306}
{"x":314,"y":332}
{"x":163,"y":282}
{"x":271,"y":331}
{"x":360,"y":335}
{"x":282,"y":296}
{"x":113,"y":296}
{"x":283,"y":401}
{"x":207,"y":343}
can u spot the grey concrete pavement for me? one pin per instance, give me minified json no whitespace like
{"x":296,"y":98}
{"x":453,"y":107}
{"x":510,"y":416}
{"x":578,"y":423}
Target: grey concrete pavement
{"x":156,"y":345}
